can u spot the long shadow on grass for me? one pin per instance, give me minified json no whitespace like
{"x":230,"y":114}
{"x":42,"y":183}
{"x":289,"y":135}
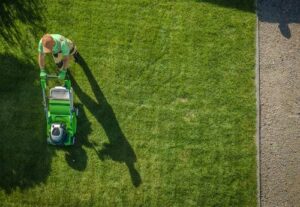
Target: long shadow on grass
{"x":13,"y":12}
{"x":118,"y":148}
{"x":25,"y":159}
{"x":244,"y":5}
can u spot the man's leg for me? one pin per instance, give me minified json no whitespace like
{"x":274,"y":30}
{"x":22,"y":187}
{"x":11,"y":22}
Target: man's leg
{"x":75,"y":54}
{"x":73,"y":51}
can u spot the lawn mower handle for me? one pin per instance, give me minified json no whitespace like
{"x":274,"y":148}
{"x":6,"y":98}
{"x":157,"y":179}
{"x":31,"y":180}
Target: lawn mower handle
{"x":52,"y":76}
{"x":45,"y":78}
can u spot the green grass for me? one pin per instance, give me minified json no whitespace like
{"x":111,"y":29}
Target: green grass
{"x":167,"y":105}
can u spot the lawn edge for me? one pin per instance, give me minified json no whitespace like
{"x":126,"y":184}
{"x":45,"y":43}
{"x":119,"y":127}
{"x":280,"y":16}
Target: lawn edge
{"x":258,"y":110}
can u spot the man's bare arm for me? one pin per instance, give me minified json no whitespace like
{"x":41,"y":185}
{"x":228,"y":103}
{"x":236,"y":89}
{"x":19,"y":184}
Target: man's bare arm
{"x":41,"y":60}
{"x":66,"y":62}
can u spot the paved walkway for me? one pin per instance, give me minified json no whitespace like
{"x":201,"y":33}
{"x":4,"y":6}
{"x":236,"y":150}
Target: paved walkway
{"x":279,"y":66}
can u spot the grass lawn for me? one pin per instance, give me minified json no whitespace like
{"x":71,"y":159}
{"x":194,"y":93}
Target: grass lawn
{"x":166,"y":94}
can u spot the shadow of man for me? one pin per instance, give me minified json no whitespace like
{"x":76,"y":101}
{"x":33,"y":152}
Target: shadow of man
{"x":118,"y":148}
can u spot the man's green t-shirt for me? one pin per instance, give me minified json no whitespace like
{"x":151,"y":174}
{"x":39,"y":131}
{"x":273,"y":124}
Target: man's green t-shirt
{"x":61,"y":45}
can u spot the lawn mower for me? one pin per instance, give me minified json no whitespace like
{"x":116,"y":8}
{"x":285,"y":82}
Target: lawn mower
{"x":61,"y":115}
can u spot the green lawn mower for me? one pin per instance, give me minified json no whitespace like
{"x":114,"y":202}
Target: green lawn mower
{"x":61,"y":115}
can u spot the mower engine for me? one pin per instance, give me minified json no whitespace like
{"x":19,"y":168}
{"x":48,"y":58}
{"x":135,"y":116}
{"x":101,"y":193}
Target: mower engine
{"x":58,"y":133}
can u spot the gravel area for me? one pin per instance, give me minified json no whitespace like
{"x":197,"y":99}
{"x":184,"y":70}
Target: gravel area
{"x":279,"y":66}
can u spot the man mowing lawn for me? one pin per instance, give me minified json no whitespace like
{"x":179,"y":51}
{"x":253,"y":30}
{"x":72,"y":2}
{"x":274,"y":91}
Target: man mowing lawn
{"x":61,"y":48}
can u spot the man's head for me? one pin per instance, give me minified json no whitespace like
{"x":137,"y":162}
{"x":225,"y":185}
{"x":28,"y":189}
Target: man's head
{"x":48,"y":43}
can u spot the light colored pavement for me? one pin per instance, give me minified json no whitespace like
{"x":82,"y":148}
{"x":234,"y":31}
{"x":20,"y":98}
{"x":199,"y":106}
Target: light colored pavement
{"x":279,"y":70}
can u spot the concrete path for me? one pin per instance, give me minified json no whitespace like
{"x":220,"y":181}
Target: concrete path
{"x":279,"y":78}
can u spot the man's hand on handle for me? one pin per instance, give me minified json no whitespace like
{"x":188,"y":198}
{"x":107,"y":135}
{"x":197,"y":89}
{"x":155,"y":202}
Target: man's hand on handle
{"x":62,"y":74}
{"x":43,"y":74}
